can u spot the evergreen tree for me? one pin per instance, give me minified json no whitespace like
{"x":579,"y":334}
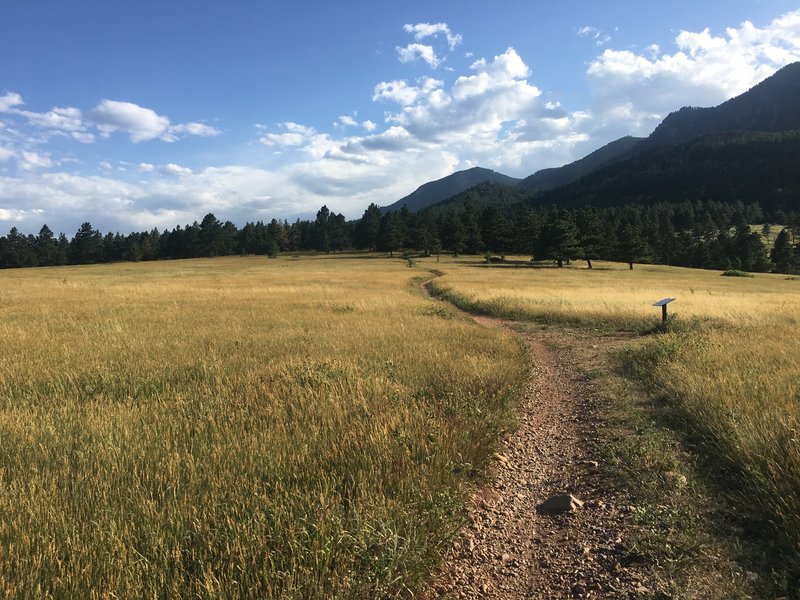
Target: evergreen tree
{"x":321,"y":235}
{"x":338,"y":232}
{"x":749,"y":249}
{"x":47,"y":247}
{"x":590,"y":234}
{"x":558,"y":240}
{"x":473,"y":241}
{"x":452,"y":233}
{"x":87,"y":246}
{"x":496,"y":230}
{"x":277,"y":232}
{"x":783,"y":256}
{"x":366,"y":231}
{"x":631,"y":247}
{"x":390,"y":235}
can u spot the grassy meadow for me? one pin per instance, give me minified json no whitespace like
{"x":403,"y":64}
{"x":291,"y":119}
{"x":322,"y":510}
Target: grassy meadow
{"x":238,"y":427}
{"x":310,"y":427}
{"x":729,"y":362}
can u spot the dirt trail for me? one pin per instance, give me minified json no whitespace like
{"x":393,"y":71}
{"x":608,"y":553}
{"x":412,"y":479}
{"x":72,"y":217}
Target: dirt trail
{"x":510,"y":549}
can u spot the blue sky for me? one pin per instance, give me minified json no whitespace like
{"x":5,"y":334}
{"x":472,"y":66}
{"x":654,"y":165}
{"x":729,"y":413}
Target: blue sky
{"x":152,"y":114}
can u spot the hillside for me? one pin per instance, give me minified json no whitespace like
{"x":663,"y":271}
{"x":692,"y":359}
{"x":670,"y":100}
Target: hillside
{"x":769,"y":106}
{"x":744,"y":149}
{"x":725,"y":167}
{"x":447,"y":187}
{"x":482,"y":195}
{"x":550,"y":178}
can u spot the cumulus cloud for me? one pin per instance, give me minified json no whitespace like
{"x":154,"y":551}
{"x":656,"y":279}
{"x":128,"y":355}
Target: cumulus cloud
{"x":175,"y":170}
{"x":108,"y":117}
{"x":199,"y":129}
{"x":9,"y":100}
{"x":58,"y":121}
{"x":31,"y":161}
{"x":146,"y":167}
{"x":369,"y":125}
{"x":346,"y":121}
{"x":400,"y":92}
{"x":5,"y":153}
{"x":66,"y":119}
{"x":82,"y":137}
{"x":426,"y":52}
{"x":412,"y":52}
{"x":424,"y":30}
{"x":140,"y":123}
{"x":704,"y":70}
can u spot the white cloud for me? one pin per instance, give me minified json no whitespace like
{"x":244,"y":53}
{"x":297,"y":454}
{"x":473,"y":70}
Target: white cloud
{"x":105,"y":165}
{"x":15,"y":215}
{"x":294,"y":134}
{"x":704,"y":70}
{"x":65,"y":119}
{"x":402,"y":93}
{"x":146,"y":167}
{"x":140,"y":123}
{"x":83,"y":138}
{"x":346,"y":121}
{"x":426,"y":52}
{"x":493,"y":117}
{"x":5,"y":153}
{"x":369,"y":125}
{"x":30,"y":161}
{"x":595,"y":34}
{"x":175,"y":170}
{"x":198,"y":129}
{"x":412,"y":52}
{"x":9,"y":100}
{"x":424,"y":30}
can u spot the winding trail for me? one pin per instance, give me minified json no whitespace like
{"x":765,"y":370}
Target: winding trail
{"x":511,"y":549}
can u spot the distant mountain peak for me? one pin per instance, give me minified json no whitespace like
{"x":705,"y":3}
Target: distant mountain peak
{"x":437,"y":191}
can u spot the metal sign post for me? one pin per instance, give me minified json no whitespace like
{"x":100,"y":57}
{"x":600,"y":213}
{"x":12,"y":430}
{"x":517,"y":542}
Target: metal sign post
{"x":663,"y":304}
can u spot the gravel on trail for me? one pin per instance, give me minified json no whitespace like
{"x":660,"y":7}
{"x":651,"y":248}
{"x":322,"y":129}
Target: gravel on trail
{"x":517,"y":546}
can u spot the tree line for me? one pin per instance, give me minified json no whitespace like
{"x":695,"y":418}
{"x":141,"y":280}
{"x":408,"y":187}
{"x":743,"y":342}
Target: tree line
{"x":701,"y":234}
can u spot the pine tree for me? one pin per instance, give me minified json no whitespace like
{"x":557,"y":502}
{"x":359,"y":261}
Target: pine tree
{"x":366,"y":231}
{"x":590,"y":234}
{"x":87,"y":246}
{"x":631,"y":247}
{"x":558,"y":240}
{"x":783,"y":256}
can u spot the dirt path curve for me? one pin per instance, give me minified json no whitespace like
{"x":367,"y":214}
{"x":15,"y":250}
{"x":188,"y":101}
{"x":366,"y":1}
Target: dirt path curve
{"x":510,"y":548}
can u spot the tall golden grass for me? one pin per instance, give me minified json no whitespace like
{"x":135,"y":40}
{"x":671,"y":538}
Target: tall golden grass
{"x":730,"y":361}
{"x":238,"y":427}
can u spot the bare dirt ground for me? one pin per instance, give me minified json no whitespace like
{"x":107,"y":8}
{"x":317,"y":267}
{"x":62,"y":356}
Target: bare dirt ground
{"x":511,"y":548}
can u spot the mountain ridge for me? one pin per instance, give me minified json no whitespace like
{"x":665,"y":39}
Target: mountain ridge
{"x":436,"y":191}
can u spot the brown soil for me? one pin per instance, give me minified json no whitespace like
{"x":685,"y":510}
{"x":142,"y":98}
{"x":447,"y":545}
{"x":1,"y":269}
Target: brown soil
{"x":511,"y":550}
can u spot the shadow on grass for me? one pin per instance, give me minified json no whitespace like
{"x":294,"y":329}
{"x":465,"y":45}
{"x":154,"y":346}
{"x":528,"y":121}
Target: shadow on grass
{"x":719,"y":498}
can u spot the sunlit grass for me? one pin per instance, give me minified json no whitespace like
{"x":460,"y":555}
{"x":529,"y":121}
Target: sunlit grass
{"x":730,"y":360}
{"x":238,"y":427}
{"x":612,"y":295}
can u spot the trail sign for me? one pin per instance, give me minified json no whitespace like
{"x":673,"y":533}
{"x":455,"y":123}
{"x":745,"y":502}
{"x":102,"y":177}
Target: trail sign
{"x":663,"y":304}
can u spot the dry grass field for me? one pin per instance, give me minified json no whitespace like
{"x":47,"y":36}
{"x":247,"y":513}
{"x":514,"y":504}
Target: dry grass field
{"x":729,"y":362}
{"x":310,"y":427}
{"x":238,"y":427}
